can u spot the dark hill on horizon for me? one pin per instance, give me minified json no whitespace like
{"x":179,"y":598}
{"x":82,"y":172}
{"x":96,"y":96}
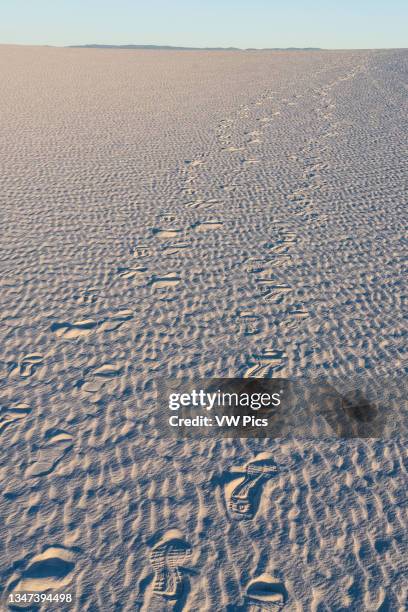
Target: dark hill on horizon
{"x":174,"y":48}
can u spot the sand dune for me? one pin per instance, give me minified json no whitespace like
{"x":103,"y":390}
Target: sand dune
{"x":190,"y":213}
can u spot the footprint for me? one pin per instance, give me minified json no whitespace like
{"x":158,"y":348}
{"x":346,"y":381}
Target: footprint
{"x":167,"y":558}
{"x":233,"y":149}
{"x":205,"y":226}
{"x":88,"y":296}
{"x":141,"y":251}
{"x":242,"y":494}
{"x":250,"y":323}
{"x":116,"y":320}
{"x":168,"y":281}
{"x":271,"y":292}
{"x":297,"y":196}
{"x":254,"y":265}
{"x":13,"y":414}
{"x":195,"y":163}
{"x":107,"y":371}
{"x":102,"y":379}
{"x":202,"y":204}
{"x":197,"y":203}
{"x":167,"y":217}
{"x":288,"y":236}
{"x":28,"y":365}
{"x":280,"y":249}
{"x":51,"y":569}
{"x":72,"y":331}
{"x":294,"y":316}
{"x":127,"y":273}
{"x":266,"y":363}
{"x":188,"y":190}
{"x":265,"y":594}
{"x":166,"y":233}
{"x":309,"y":174}
{"x":58,"y":444}
{"x":177,"y":247}
{"x":275,"y":262}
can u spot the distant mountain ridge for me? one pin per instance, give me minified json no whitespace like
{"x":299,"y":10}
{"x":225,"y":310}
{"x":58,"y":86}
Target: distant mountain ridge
{"x":170,"y":47}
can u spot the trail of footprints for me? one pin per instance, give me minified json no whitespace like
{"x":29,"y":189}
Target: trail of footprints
{"x":264,"y":270}
{"x":169,"y":559}
{"x":104,"y":379}
{"x":269,"y":288}
{"x":300,"y":203}
{"x":171,"y":554}
{"x":242,"y":491}
{"x":265,"y":273}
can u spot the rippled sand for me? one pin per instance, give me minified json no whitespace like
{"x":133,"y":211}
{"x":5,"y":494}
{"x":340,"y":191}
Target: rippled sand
{"x":174,"y":213}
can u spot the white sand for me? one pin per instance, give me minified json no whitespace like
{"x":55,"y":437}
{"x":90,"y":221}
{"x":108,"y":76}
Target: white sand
{"x":213,"y":213}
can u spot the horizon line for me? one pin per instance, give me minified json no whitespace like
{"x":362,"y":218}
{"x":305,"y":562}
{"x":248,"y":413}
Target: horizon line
{"x":187,"y":48}
{"x":190,"y":48}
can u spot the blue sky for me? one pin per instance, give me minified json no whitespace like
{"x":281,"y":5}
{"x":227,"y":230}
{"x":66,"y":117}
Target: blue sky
{"x":249,"y":23}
